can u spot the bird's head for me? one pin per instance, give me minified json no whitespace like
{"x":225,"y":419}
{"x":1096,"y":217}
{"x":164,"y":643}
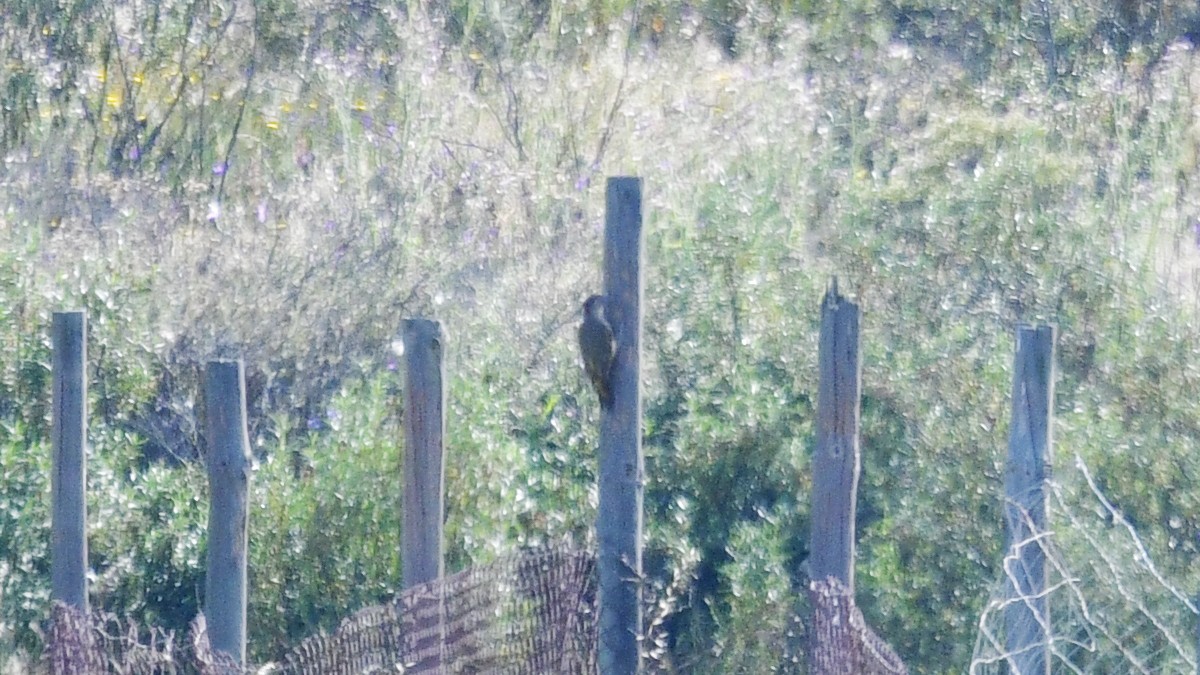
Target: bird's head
{"x":593,"y":307}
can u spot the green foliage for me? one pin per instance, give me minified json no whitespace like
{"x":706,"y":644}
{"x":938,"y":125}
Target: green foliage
{"x":325,"y":525}
{"x":288,"y":183}
{"x":24,"y":520}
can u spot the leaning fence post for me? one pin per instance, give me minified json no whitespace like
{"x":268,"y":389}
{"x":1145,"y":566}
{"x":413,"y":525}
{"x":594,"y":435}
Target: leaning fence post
{"x":836,"y":460}
{"x":424,"y":452}
{"x":619,"y":521}
{"x":1027,"y":615}
{"x":228,"y":514}
{"x":68,"y":551}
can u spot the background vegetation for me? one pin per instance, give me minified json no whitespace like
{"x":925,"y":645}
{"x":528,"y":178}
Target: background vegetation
{"x":287,"y":179}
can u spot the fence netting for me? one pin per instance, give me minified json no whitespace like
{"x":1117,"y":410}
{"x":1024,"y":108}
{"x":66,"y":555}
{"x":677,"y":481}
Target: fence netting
{"x":83,"y":644}
{"x":842,"y":642}
{"x":1106,"y":607}
{"x":531,"y":612}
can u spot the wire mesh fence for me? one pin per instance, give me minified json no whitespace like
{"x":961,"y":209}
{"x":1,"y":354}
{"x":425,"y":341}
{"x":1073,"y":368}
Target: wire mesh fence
{"x":531,"y":612}
{"x":842,"y":642}
{"x":1110,"y":609}
{"x":104,"y":643}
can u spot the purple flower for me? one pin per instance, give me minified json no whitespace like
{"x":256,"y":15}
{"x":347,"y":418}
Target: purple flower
{"x":261,"y":212}
{"x":135,"y":153}
{"x":392,"y":365}
{"x":314,"y":424}
{"x":220,"y":168}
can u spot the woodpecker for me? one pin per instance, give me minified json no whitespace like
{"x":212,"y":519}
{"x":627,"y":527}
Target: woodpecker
{"x":598,"y":347}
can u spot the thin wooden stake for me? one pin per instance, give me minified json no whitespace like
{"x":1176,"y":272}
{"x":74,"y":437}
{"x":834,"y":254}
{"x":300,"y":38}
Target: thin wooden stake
{"x":228,"y":513}
{"x":836,"y":460}
{"x":68,"y":552}
{"x":1029,"y":453}
{"x":424,"y":452}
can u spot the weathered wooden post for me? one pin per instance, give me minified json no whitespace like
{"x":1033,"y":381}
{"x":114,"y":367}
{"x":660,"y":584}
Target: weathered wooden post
{"x":423,"y":498}
{"x":424,"y":452}
{"x":228,"y":514}
{"x":836,"y":641}
{"x":836,"y":459}
{"x":68,"y":549}
{"x":619,"y":522}
{"x":1027,"y":616}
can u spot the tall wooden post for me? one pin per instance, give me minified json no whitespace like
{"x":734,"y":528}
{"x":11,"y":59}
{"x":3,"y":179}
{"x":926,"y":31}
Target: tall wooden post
{"x":619,"y":522}
{"x":836,"y":459}
{"x":424,"y":453}
{"x":228,"y":514}
{"x":1029,"y":452}
{"x":68,"y":550}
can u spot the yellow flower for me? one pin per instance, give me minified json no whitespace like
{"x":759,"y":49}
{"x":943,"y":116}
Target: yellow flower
{"x":138,"y":78}
{"x":273,"y":125}
{"x":475,"y":55}
{"x":113,"y":99}
{"x":285,"y":107}
{"x":360,"y":105}
{"x":216,"y":96}
{"x":102,"y":75}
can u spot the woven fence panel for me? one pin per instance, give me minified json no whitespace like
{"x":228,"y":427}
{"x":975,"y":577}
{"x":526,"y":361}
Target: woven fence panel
{"x":102,"y":644}
{"x":533,"y":612}
{"x":842,"y":643}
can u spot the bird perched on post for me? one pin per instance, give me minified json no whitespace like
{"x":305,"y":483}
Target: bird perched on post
{"x":599,"y":348}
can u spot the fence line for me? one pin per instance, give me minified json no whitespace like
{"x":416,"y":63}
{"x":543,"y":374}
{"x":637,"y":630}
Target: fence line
{"x":529,"y":613}
{"x":539,"y":611}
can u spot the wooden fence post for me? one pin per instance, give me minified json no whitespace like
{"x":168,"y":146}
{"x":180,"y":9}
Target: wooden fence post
{"x":68,"y":550}
{"x":619,"y":521}
{"x":836,"y":460}
{"x":424,"y":452}
{"x":228,"y":514}
{"x":423,"y":497}
{"x":1027,"y":617}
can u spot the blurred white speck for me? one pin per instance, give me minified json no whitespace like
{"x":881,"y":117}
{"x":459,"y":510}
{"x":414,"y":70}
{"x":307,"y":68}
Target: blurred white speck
{"x":439,"y":298}
{"x":675,"y":329}
{"x":214,"y":210}
{"x":398,"y":347}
